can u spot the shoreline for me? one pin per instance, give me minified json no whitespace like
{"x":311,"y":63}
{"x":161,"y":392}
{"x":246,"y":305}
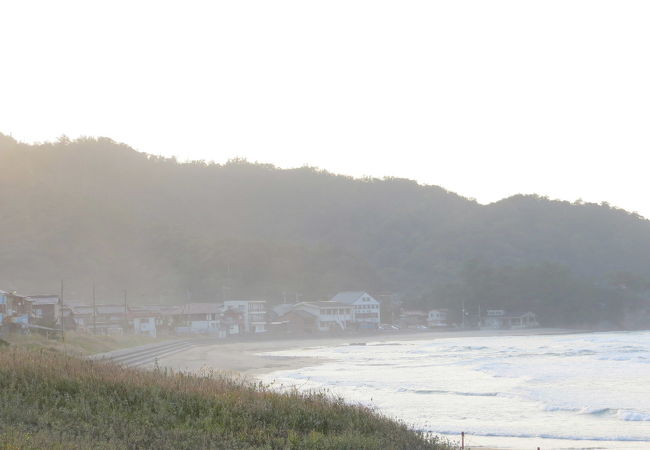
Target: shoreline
{"x":248,"y":358}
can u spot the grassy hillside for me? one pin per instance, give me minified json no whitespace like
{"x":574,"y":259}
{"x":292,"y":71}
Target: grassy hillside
{"x":82,"y":344}
{"x":48,"y":400}
{"x":95,"y":210}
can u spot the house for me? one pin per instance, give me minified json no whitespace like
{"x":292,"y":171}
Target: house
{"x":438,"y":318}
{"x":300,"y":321}
{"x":199,"y":318}
{"x":365,"y":309}
{"x":143,"y":320}
{"x":328,"y":315}
{"x":499,"y":319}
{"x":144,"y":325}
{"x":3,"y":308}
{"x":413,"y":318}
{"x":82,"y":316}
{"x":279,"y":310}
{"x":165,"y":315}
{"x":111,"y":319}
{"x":253,"y":312}
{"x":16,"y":310}
{"x":102,"y":319}
{"x":46,"y":309}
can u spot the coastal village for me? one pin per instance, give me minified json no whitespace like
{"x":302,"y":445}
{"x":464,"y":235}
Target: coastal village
{"x":345,"y":312}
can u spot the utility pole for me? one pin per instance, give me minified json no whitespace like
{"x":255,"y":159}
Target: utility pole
{"x":463,"y":313}
{"x":62,"y":322}
{"x":94,"y":311}
{"x":126,"y":316}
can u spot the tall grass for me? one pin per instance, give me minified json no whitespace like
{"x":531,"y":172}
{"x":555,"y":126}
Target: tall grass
{"x":82,"y":343}
{"x":48,"y":400}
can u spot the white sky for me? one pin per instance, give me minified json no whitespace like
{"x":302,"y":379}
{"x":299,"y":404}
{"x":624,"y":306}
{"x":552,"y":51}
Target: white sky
{"x":485,"y":98}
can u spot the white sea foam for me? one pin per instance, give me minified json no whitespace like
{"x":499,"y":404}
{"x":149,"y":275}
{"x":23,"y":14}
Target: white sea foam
{"x":586,"y":387}
{"x":633,"y":416}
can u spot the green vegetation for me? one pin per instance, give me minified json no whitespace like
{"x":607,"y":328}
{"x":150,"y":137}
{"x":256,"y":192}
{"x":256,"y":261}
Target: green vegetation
{"x":48,"y":400}
{"x":92,"y":209}
{"x":80,"y":344}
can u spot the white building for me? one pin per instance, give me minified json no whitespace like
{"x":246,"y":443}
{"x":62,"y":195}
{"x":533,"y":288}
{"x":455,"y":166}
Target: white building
{"x":365,"y":309}
{"x":329,"y":315}
{"x":253,"y":312}
{"x":499,"y":319}
{"x":438,"y":318}
{"x":199,"y":318}
{"x":144,"y":325}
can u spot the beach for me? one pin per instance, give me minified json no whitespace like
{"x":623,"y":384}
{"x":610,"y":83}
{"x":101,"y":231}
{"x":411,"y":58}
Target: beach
{"x":250,"y":359}
{"x":511,"y":389}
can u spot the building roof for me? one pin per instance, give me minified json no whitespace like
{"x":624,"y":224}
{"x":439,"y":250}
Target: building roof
{"x":414,"y":313}
{"x":301,"y":313}
{"x":163,"y":310}
{"x":282,"y":309}
{"x":110,"y":309}
{"x":325,"y":304}
{"x":510,"y":315}
{"x":244,"y":301}
{"x":78,"y":309}
{"x":14,"y":294}
{"x":44,"y":299}
{"x":349,"y":297}
{"x":202,"y":308}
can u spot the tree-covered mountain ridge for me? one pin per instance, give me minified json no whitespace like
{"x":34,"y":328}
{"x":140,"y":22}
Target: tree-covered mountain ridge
{"x":93,"y":210}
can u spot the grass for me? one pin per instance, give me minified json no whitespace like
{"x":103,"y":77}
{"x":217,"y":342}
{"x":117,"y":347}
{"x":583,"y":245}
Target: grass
{"x":49,"y":400}
{"x":81,"y":343}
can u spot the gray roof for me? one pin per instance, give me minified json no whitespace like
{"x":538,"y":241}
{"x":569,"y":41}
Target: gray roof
{"x":110,"y":309}
{"x":348,"y":297}
{"x":282,"y":309}
{"x":44,"y":299}
{"x":301,"y":313}
{"x":163,"y":310}
{"x":325,"y":304}
{"x":202,"y":308}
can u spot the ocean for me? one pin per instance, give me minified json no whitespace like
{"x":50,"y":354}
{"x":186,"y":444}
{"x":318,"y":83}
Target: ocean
{"x":588,"y":390}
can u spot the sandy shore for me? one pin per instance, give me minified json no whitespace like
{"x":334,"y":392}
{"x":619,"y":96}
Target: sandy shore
{"x":248,"y":358}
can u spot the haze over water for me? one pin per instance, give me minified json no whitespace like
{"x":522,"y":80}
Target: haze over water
{"x":553,"y":391}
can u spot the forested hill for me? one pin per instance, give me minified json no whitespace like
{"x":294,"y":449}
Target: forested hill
{"x":92,"y":209}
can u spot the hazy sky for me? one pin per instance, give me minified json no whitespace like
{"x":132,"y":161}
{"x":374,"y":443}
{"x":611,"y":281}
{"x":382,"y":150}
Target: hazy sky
{"x":486,"y":98}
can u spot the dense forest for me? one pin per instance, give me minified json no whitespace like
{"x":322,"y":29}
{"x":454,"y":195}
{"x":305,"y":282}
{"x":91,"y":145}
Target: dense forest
{"x":93,"y":210}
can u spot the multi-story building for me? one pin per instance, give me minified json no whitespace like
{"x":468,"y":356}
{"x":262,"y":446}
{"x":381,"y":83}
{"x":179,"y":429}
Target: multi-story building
{"x":253,"y":312}
{"x":328,"y":315}
{"x":365,"y":309}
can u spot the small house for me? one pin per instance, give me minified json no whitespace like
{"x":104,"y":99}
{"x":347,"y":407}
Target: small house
{"x":300,"y":321}
{"x":413,"y":318}
{"x":199,"y":318}
{"x":499,"y":319}
{"x":438,"y":318}
{"x":46,"y":309}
